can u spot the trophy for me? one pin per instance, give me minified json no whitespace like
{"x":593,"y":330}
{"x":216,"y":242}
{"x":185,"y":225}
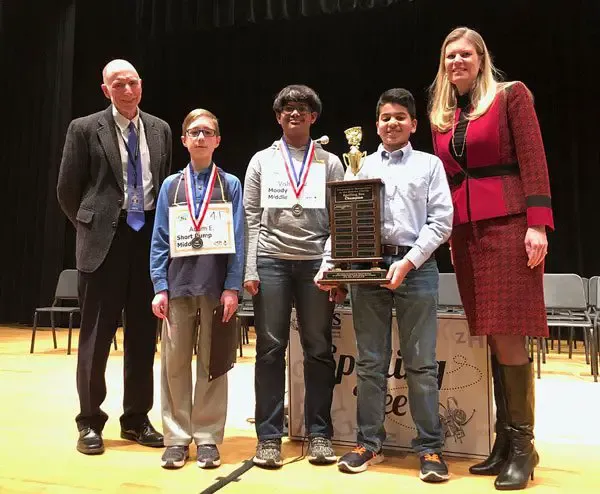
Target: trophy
{"x":355,"y":221}
{"x":354,"y":159}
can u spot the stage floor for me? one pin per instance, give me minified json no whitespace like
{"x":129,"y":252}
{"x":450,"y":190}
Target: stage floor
{"x":38,"y":435}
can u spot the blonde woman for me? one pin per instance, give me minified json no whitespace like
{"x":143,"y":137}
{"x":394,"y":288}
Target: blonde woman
{"x":487,"y":135}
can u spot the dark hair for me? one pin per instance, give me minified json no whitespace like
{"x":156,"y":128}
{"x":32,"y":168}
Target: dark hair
{"x":399,"y":96}
{"x":297,"y":93}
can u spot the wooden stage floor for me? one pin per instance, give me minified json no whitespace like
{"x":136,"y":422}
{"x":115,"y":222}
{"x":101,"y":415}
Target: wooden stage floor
{"x":38,"y":435}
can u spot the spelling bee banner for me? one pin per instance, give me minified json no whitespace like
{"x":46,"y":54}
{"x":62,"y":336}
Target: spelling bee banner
{"x":465,"y":404}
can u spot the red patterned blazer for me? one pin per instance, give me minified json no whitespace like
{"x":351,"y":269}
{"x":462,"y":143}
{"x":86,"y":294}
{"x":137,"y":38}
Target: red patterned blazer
{"x":506,"y":171}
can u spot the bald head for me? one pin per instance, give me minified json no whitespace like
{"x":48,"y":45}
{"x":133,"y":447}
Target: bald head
{"x":122,"y":86}
{"x":115,"y":66}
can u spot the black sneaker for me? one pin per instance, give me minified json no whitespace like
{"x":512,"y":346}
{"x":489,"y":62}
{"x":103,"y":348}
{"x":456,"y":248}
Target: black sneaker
{"x":208,"y":456}
{"x":320,"y":451}
{"x":359,"y":459}
{"x":174,"y":457}
{"x":268,"y":454}
{"x":433,"y":468}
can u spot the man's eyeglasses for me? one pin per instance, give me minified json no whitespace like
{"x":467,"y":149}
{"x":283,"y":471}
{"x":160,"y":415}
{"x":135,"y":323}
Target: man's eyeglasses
{"x":195,"y":133}
{"x":289,"y":109}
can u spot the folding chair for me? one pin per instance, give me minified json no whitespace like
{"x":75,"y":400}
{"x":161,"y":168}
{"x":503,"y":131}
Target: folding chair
{"x":571,"y":341}
{"x":66,"y":289}
{"x":567,"y":306}
{"x":448,"y":294}
{"x":245,"y":313}
{"x":594,"y":311}
{"x":593,"y":295}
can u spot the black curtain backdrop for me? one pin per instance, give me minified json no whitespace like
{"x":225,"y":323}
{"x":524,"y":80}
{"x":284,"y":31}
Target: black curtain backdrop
{"x":164,"y":16}
{"x":233,"y":57}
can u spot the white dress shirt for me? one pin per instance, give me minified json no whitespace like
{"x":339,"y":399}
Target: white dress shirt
{"x":417,"y":206}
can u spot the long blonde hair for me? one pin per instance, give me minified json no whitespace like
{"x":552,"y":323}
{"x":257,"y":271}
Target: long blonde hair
{"x":442,"y":94}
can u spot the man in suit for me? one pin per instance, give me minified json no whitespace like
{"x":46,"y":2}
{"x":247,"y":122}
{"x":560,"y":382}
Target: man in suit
{"x":113,"y":164}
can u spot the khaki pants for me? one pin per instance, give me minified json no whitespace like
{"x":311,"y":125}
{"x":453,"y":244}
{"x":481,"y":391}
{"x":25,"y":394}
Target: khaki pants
{"x":202,"y":419}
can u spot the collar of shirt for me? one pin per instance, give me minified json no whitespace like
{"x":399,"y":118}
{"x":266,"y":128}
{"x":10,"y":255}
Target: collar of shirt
{"x":298,"y":149}
{"x":201,"y":180}
{"x":297,"y":156}
{"x":397,"y":156}
{"x":122,"y":122}
{"x":202,"y":173}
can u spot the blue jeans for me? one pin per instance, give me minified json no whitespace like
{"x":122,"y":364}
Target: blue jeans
{"x":281,"y":282}
{"x":415,"y":301}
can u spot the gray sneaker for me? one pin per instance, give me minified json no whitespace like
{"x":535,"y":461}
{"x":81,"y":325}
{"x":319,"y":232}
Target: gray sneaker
{"x":268,"y":454}
{"x":208,"y":456}
{"x":320,"y":451}
{"x":174,"y":457}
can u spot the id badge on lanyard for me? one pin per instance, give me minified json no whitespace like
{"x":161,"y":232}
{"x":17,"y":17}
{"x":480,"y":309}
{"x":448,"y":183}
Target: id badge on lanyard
{"x":135,"y":190}
{"x":204,"y":230}
{"x":284,"y":187}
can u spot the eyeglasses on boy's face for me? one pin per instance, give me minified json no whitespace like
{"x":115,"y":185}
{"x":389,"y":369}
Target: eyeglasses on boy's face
{"x":302,"y":109}
{"x":195,"y":133}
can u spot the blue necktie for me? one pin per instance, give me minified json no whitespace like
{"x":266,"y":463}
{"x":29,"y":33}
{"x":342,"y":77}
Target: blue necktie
{"x":135,"y":188}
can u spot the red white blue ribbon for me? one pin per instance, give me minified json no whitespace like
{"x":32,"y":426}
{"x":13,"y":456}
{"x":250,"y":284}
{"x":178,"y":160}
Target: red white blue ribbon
{"x":297,"y":182}
{"x":197,"y":215}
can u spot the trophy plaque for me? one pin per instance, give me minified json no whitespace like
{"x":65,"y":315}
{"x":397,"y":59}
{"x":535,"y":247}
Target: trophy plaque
{"x":355,"y":221}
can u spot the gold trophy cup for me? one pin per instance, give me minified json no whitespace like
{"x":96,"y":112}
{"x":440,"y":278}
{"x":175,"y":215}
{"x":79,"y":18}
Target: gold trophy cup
{"x":354,"y":158}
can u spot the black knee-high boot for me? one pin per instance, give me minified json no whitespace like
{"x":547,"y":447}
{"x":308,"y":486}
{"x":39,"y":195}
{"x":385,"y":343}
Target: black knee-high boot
{"x":493,"y":464}
{"x":520,"y":404}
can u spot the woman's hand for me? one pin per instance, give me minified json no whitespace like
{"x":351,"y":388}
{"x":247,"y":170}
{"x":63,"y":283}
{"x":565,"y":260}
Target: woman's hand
{"x":536,"y":245}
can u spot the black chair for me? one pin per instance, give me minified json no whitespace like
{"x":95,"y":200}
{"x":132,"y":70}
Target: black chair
{"x":245,"y":314}
{"x":66,"y":290}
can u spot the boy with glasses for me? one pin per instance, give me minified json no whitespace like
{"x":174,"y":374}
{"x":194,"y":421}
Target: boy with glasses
{"x":288,"y":224}
{"x":188,"y":280}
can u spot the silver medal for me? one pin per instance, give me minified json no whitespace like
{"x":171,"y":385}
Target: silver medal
{"x":297,"y":210}
{"x":197,"y":242}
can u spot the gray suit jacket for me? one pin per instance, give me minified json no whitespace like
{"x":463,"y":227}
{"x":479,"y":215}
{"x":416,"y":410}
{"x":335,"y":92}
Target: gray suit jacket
{"x":90,"y":182}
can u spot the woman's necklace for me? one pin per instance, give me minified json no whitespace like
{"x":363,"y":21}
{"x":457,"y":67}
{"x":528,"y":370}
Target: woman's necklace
{"x":464,"y":142}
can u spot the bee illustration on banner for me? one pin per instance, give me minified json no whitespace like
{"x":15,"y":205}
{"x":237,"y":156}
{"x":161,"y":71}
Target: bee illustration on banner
{"x":454,"y":419}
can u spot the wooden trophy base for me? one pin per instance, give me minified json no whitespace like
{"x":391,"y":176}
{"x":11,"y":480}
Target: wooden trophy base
{"x":355,"y":219}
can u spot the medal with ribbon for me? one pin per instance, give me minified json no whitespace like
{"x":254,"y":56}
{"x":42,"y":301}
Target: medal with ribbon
{"x":198,"y":209}
{"x":298,"y":181}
